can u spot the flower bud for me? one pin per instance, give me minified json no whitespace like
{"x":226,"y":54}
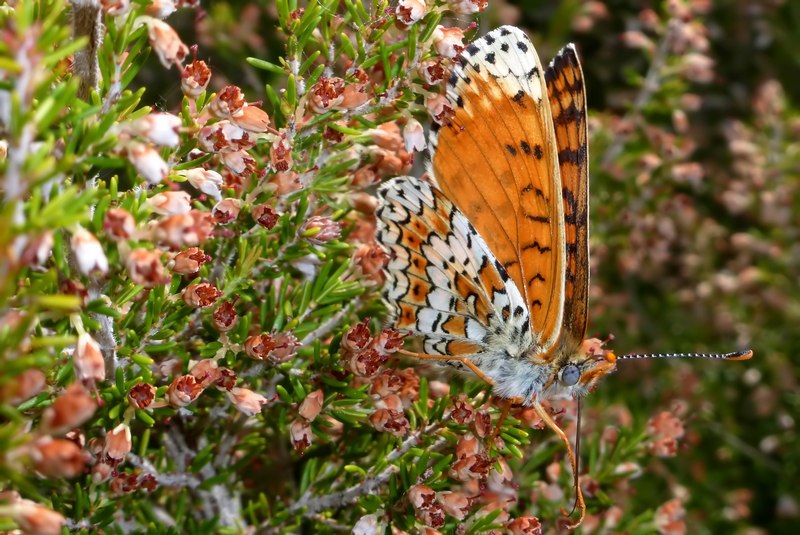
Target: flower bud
{"x":88,"y":252}
{"x":166,"y":43}
{"x":87,"y":359}
{"x":311,"y":405}
{"x":118,"y":444}
{"x":247,"y":401}
{"x":71,"y":409}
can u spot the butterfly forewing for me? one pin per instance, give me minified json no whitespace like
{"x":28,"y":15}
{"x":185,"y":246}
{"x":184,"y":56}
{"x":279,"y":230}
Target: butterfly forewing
{"x":497,"y":162}
{"x":567,"y":94}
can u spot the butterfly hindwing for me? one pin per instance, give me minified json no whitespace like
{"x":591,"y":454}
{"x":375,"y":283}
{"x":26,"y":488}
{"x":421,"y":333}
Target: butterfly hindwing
{"x":497,"y":162}
{"x":443,"y":282}
{"x":567,"y":93}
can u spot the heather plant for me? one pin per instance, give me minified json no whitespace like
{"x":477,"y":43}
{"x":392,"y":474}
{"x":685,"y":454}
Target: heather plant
{"x":191,"y":332}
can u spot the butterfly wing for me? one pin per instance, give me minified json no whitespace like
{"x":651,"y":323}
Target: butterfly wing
{"x":497,"y":161}
{"x":443,"y":283}
{"x":567,"y":93}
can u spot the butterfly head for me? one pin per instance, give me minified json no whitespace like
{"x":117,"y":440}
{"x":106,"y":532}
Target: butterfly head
{"x":577,"y":372}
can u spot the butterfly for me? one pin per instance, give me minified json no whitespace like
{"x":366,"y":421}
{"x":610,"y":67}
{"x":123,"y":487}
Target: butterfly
{"x":489,"y":263}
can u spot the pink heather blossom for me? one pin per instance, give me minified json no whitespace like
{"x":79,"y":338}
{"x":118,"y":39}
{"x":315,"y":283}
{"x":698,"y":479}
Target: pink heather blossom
{"x":148,"y":162}
{"x":170,"y":203}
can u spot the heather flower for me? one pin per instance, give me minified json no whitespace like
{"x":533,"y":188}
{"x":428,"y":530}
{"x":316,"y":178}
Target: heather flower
{"x":311,"y":405}
{"x":265,"y":215}
{"x":389,"y":421}
{"x":422,"y":497}
{"x":371,"y":259}
{"x":286,"y":182}
{"x":366,"y":363}
{"x":463,"y":413}
{"x":57,"y":457}
{"x":665,"y":429}
{"x":144,"y":267}
{"x":669,"y":518}
{"x":200,"y":295}
{"x":88,"y":252}
{"x":141,"y":395}
{"x":166,"y":43}
{"x":432,"y":71}
{"x":439,"y":109}
{"x":118,"y":224}
{"x":525,"y":525}
{"x":116,"y":8}
{"x":161,"y":8}
{"x":189,"y":261}
{"x":225,"y":316}
{"x":353,"y":96}
{"x":35,"y":519}
{"x":226,"y":379}
{"x":227,"y":103}
{"x":88,"y":360}
{"x":71,"y":409}
{"x":280,"y":154}
{"x":117,"y":445}
{"x":148,"y":162}
{"x":22,"y":387}
{"x":194,"y":78}
{"x":320,"y":229}
{"x":325,"y":94}
{"x":158,"y":128}
{"x":467,"y":7}
{"x":206,"y":371}
{"x":455,"y":504}
{"x":36,"y":250}
{"x":247,"y":401}
{"x":178,"y":231}
{"x":226,"y":210}
{"x":413,"y":136}
{"x":357,"y":337}
{"x":410,"y":11}
{"x":224,"y":136}
{"x":238,"y":162}
{"x":170,"y":203}
{"x":276,"y":348}
{"x":300,"y":434}
{"x":183,"y":390}
{"x":448,"y":42}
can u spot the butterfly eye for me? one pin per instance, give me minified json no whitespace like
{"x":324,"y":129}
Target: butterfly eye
{"x":569,"y":375}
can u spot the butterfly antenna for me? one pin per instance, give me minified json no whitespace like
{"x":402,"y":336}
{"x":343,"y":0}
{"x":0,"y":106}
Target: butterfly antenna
{"x":577,"y":457}
{"x":736,"y":355}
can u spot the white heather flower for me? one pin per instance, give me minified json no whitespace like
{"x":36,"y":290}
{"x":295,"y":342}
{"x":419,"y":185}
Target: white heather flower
{"x":159,"y":128}
{"x":166,"y":43}
{"x":410,"y":11}
{"x":207,"y":181}
{"x":247,"y":401}
{"x":88,"y":359}
{"x":170,"y":203}
{"x":88,"y":252}
{"x":413,"y":136}
{"x":448,"y":42}
{"x":148,"y":162}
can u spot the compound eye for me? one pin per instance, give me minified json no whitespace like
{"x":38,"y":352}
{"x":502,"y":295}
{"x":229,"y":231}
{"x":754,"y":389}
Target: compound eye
{"x":569,"y":375}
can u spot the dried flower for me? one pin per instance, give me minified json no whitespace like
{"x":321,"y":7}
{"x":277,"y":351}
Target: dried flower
{"x":439,"y":109}
{"x":200,"y":295}
{"x":265,"y":215}
{"x":183,"y":390}
{"x":88,"y":252}
{"x":312,"y":405}
{"x":325,"y":94}
{"x":389,"y":421}
{"x":432,"y":71}
{"x":389,"y":341}
{"x":226,"y":210}
{"x":280,"y":154}
{"x":194,"y":78}
{"x":141,"y":395}
{"x":410,"y":11}
{"x":117,"y":445}
{"x":225,"y":316}
{"x":166,"y":43}
{"x":88,"y":360}
{"x":448,"y":42}
{"x":158,"y":128}
{"x":357,"y":337}
{"x":189,"y":261}
{"x":276,"y":348}
{"x":247,"y":401}
{"x":300,"y":433}
{"x":226,"y":379}
{"x":57,"y":458}
{"x":463,"y":413}
{"x":71,"y":409}
{"x":320,"y":229}
{"x":118,"y":224}
{"x":366,"y":363}
{"x":170,"y":203}
{"x":422,"y":497}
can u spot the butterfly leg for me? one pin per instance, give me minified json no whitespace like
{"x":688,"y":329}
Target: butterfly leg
{"x":463,"y":360}
{"x":546,"y":418}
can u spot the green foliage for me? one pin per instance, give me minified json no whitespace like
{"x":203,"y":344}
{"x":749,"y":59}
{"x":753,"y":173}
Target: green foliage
{"x":207,"y":280}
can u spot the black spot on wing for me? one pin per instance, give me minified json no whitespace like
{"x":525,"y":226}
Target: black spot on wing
{"x":522,"y":46}
{"x":511,"y":150}
{"x":490,"y":58}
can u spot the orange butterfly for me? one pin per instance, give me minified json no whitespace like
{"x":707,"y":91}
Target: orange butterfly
{"x":490,"y":267}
